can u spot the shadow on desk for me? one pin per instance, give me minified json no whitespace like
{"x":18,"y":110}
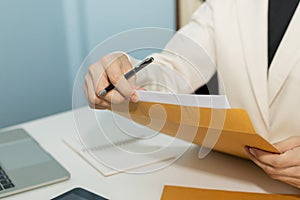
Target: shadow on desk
{"x":231,"y":167}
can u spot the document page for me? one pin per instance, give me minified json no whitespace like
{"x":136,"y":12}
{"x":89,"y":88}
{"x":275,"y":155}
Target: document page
{"x":204,"y":101}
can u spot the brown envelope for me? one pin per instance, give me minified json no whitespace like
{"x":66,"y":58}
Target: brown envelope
{"x":224,"y":130}
{"x":180,"y":193}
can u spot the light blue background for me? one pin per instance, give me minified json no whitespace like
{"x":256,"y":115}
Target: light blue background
{"x":43,"y":42}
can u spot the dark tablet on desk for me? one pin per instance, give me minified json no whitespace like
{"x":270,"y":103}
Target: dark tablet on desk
{"x":79,"y":194}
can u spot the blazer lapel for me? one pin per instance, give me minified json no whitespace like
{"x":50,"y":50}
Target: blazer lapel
{"x":253,"y":22}
{"x":285,"y":58}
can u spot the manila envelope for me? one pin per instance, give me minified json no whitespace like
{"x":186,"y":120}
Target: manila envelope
{"x":179,"y":193}
{"x":224,"y":130}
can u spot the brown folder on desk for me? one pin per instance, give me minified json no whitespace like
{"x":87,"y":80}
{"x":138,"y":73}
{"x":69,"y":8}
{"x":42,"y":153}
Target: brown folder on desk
{"x":180,"y":193}
{"x":227,"y":130}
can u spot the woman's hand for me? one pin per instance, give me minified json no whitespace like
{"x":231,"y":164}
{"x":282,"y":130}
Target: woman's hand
{"x":109,"y":69}
{"x":284,"y":167}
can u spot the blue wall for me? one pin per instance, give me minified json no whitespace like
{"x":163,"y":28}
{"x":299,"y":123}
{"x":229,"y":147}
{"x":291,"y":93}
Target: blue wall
{"x":43,"y":42}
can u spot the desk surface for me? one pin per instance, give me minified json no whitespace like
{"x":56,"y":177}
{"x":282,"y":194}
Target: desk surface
{"x":216,"y":171}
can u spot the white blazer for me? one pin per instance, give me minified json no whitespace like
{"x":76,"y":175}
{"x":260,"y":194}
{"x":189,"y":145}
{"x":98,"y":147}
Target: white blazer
{"x":231,"y":36}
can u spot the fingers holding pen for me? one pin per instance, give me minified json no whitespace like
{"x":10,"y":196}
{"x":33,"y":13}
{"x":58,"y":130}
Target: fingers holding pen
{"x":124,"y":81}
{"x":114,"y":72}
{"x":109,"y":70}
{"x":122,"y":85}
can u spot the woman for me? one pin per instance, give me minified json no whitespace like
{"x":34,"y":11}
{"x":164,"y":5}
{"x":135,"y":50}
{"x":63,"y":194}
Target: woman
{"x":253,"y":45}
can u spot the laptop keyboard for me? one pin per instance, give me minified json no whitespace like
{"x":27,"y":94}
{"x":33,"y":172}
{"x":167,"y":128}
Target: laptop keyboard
{"x":5,"y":182}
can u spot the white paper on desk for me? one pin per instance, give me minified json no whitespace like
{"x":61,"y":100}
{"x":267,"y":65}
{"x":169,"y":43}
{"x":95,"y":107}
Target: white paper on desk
{"x":205,"y":101}
{"x":140,"y":165}
{"x":117,"y":144}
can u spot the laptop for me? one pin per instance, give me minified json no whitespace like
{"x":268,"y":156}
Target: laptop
{"x":25,"y":165}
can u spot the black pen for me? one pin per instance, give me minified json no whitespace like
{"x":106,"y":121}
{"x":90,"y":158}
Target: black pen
{"x":129,"y":74}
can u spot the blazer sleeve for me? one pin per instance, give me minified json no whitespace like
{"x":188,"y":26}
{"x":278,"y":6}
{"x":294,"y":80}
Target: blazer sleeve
{"x":188,"y":60}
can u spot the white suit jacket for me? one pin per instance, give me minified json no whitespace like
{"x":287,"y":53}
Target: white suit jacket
{"x":231,"y":36}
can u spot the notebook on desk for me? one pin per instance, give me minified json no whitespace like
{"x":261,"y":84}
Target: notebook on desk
{"x":109,"y":160}
{"x":120,"y":146}
{"x":25,"y":165}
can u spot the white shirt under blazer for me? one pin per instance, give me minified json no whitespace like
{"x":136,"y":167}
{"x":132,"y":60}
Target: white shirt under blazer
{"x":234,"y":36}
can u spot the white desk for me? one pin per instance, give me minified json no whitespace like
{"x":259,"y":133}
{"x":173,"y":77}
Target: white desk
{"x":216,"y":171}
